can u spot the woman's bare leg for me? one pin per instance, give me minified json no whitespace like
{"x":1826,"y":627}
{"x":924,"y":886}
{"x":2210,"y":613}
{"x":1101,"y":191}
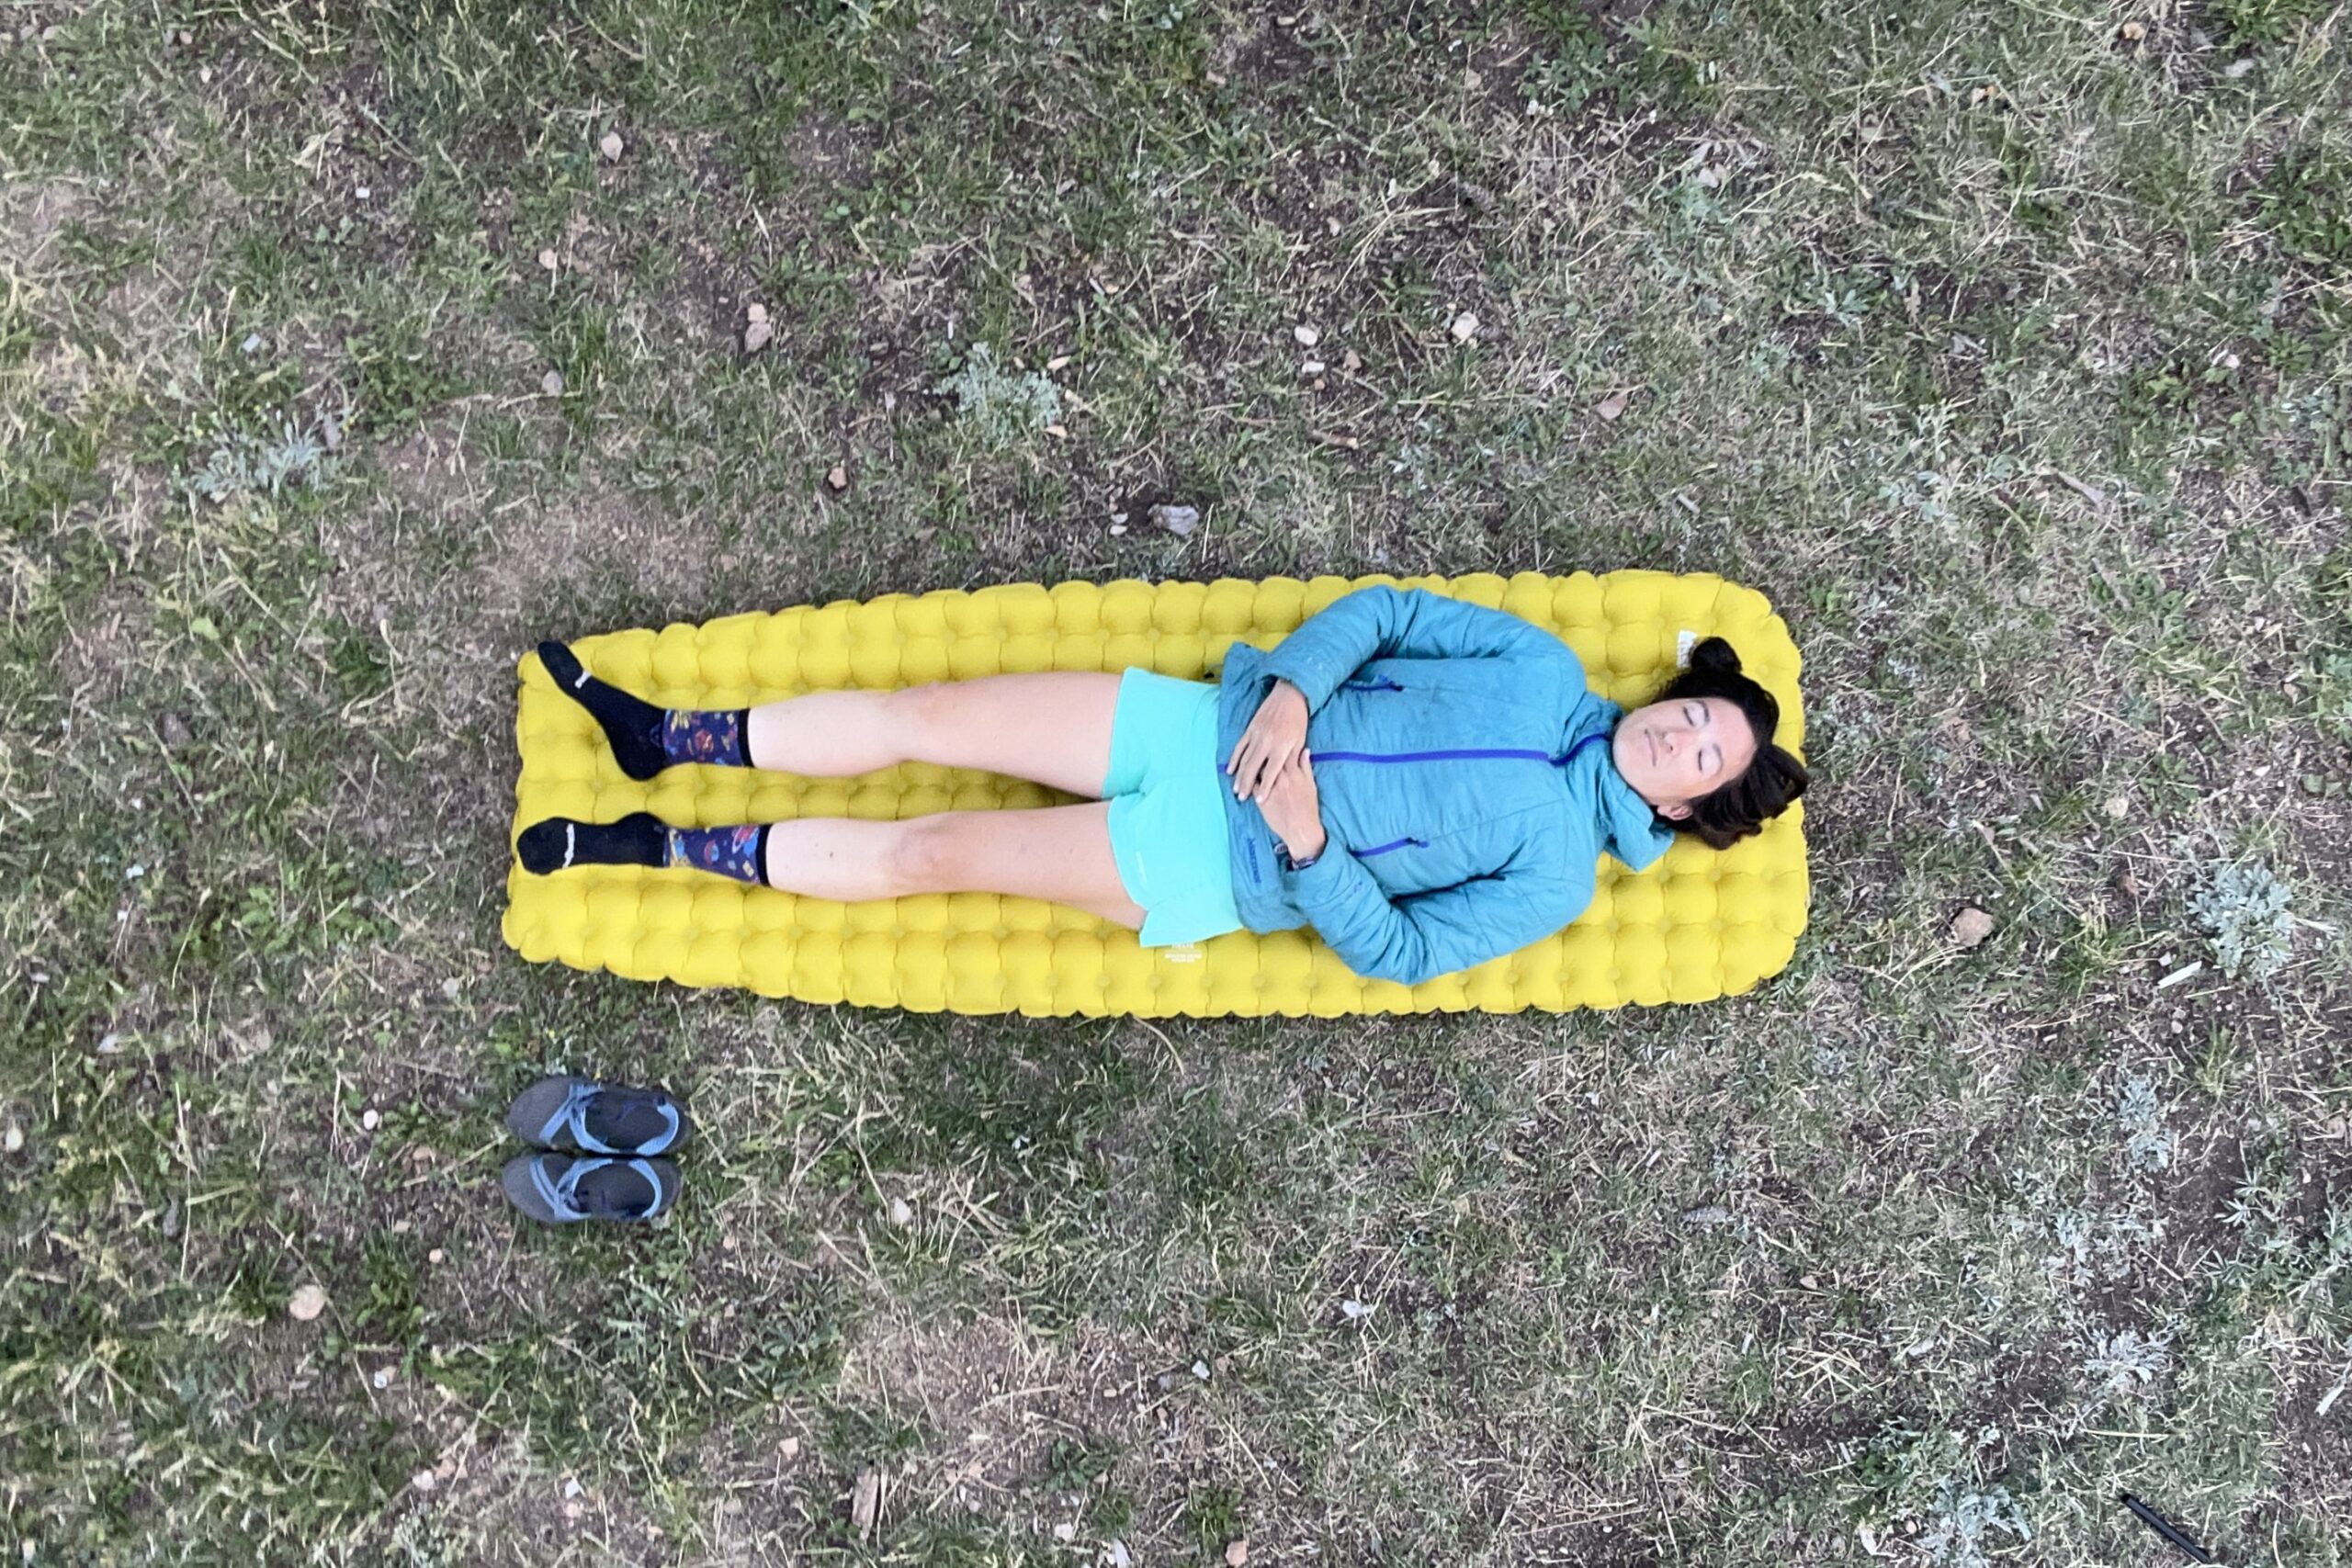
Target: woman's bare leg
{"x":1054,"y":728}
{"x":1060,"y":854}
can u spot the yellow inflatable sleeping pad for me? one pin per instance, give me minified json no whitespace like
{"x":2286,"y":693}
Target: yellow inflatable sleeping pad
{"x":1701,"y":924}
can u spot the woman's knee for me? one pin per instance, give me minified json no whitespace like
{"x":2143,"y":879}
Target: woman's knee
{"x":929,"y":854}
{"x":919,"y":717}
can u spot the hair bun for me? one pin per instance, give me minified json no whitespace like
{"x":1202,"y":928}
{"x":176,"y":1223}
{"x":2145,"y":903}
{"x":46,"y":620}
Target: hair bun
{"x":1715,"y":655}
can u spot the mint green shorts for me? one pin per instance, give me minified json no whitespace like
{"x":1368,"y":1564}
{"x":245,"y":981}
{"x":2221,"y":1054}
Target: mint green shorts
{"x":1167,"y":829}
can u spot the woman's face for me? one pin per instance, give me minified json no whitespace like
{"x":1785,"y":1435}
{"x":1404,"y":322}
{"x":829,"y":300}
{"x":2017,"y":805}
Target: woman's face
{"x":1674,"y":753}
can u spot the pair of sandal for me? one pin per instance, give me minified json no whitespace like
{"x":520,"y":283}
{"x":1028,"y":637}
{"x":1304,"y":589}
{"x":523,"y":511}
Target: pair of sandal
{"x":600,"y":1151}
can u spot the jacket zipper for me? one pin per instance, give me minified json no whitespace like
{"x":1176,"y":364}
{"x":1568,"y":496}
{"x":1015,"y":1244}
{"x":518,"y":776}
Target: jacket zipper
{"x":1380,"y":684}
{"x":1462,"y":754}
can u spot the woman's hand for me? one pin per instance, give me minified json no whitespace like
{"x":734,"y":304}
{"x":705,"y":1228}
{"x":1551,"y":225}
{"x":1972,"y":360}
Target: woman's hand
{"x":1294,"y":811}
{"x":1275,"y":739}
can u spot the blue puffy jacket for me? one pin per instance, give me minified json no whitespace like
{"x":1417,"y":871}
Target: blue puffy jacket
{"x":1465,"y":777}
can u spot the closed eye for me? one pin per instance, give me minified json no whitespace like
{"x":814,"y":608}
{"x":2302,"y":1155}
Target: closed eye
{"x":1710,"y":762}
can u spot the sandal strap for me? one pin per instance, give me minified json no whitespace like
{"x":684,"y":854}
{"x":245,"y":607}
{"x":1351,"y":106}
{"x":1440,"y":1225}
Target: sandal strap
{"x":563,"y":1193}
{"x":572,"y":1117}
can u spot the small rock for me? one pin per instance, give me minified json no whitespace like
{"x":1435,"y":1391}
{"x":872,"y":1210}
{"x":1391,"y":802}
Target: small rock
{"x":2237,"y":68}
{"x":434,"y":1256}
{"x":12,"y":1140}
{"x":1464,"y":328}
{"x":757,"y":336}
{"x":865,"y":1502}
{"x":547,"y":260}
{"x":382,"y":1379}
{"x":1612,"y":406}
{"x":1064,"y":1531}
{"x":571,"y":1488}
{"x":789,"y":1448}
{"x":1970,"y":927}
{"x":1201,"y":1371}
{"x":176,"y":734}
{"x":902,"y":1212}
{"x":2132,"y":32}
{"x":1308,"y":337}
{"x":1056,"y":362}
{"x":755,"y":311}
{"x":306,"y":1304}
{"x":370,"y":1119}
{"x":1178,"y":520}
{"x":552,"y":383}
{"x":1352,"y":1309}
{"x":1349,"y":362}
{"x":2117,"y":806}
{"x":425,"y":1481}
{"x":1311,"y":368}
{"x":1236,"y":1553}
{"x":610,"y":146}
{"x":837,"y":478}
{"x":361,"y":193}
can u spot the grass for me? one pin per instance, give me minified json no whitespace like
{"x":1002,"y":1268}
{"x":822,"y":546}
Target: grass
{"x":2005,"y":348}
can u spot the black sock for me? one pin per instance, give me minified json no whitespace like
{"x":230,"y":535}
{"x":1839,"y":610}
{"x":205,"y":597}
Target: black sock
{"x":558,"y":842}
{"x":632,"y":726}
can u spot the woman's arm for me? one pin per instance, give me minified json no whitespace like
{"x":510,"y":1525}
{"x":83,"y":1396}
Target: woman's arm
{"x":1424,"y":935}
{"x":1390,"y":623}
{"x":1412,"y":939}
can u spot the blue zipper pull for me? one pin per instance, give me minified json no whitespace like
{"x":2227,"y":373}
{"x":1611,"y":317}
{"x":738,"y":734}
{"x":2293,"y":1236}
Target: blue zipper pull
{"x":1392,"y":844}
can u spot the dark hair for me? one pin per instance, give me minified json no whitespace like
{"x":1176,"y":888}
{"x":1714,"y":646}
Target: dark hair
{"x":1730,"y":812}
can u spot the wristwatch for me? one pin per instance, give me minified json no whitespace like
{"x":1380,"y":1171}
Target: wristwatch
{"x":1281,"y":854}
